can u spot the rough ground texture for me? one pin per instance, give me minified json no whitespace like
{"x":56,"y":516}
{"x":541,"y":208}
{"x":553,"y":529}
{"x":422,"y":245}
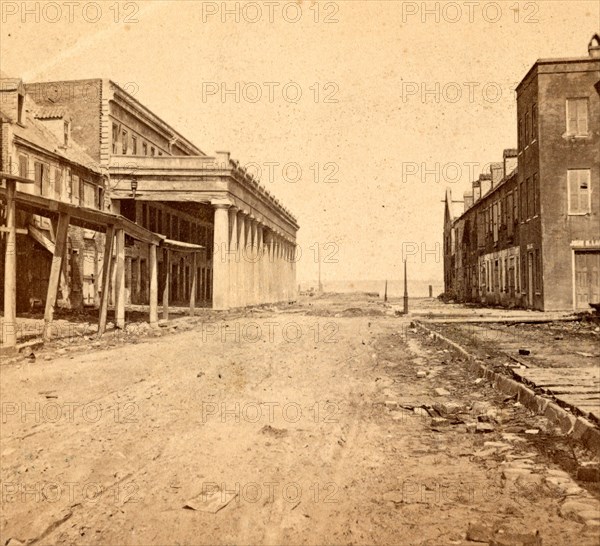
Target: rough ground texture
{"x":316,"y":424}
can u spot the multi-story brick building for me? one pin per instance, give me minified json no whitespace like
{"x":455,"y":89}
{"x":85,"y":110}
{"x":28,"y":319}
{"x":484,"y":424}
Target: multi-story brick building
{"x":162,"y":181}
{"x":533,"y":238}
{"x":38,"y":144}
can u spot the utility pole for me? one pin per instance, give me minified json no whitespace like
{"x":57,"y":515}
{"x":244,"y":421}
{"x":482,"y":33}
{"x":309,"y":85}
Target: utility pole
{"x":385,"y":293}
{"x":405,"y":290}
{"x":319,"y":259}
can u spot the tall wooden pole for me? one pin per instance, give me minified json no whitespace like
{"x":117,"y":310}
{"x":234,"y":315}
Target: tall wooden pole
{"x":167,"y":287}
{"x":405,"y":290}
{"x":153,"y":286}
{"x":9,"y":333}
{"x":120,"y":279}
{"x":106,"y":272}
{"x":194,"y":284}
{"x":385,"y":293}
{"x":60,"y":248}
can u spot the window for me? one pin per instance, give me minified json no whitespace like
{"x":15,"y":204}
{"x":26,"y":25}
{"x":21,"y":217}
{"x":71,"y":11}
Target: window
{"x":579,"y":193}
{"x":534,"y":121}
{"x":523,"y":200}
{"x":115,"y":138}
{"x":89,"y":195}
{"x":152,"y":150}
{"x":58,"y":183}
{"x":509,"y":212}
{"x":529,"y":185}
{"x":24,"y":166}
{"x":520,"y":135}
{"x":134,"y":148}
{"x":41,"y":182}
{"x":100,"y":198}
{"x":144,"y":148}
{"x":516,"y":205}
{"x":577,"y":117}
{"x":536,"y":194}
{"x":76,"y":192}
{"x":66,"y":133}
{"x":125,"y":142}
{"x":527,"y":128}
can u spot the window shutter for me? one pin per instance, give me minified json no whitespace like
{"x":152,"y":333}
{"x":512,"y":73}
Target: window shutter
{"x":582,"y":116}
{"x":571,"y":117}
{"x":573,"y":183}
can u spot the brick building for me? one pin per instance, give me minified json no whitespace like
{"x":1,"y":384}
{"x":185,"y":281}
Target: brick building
{"x":38,"y":144}
{"x":530,"y":236}
{"x":163,"y":182}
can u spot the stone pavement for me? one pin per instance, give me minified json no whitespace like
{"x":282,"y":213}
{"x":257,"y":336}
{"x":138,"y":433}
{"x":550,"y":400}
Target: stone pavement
{"x":572,"y":387}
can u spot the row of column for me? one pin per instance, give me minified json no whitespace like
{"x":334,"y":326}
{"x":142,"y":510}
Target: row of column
{"x":252,"y":264}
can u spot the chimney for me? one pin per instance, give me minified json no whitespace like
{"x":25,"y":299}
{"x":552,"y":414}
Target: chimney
{"x":485,"y":182}
{"x":468,"y":199}
{"x":476,"y":191}
{"x":497,"y":170}
{"x":594,"y":47}
{"x":12,"y":98}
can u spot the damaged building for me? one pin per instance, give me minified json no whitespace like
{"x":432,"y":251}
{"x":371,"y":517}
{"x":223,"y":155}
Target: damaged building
{"x":528,"y":234}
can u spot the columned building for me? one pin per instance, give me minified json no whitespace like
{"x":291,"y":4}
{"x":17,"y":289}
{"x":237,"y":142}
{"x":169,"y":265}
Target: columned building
{"x":227,"y":241}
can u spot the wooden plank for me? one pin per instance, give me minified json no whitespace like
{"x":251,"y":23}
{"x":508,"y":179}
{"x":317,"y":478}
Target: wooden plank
{"x":60,"y":248}
{"x":107,"y":260}
{"x":9,"y":328}
{"x":120,"y":279}
{"x":167,"y":277}
{"x":193,"y":284}
{"x":153,"y":285}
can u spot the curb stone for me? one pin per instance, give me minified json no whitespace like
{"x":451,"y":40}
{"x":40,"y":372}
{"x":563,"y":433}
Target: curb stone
{"x":578,"y":428}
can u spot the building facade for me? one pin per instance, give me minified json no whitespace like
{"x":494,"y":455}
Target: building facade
{"x":38,"y":144}
{"x":532,"y":239}
{"x":163,"y":182}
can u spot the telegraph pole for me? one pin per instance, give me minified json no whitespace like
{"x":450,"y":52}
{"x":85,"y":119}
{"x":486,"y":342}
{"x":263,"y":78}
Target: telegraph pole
{"x":405,"y":290}
{"x":385,"y":293}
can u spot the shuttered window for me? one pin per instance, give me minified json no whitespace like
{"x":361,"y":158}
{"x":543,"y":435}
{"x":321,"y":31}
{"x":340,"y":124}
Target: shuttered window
{"x":579,"y":191}
{"x":577,"y":117}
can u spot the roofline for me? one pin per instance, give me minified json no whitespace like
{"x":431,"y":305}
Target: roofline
{"x":161,"y":121}
{"x":565,"y":60}
{"x":491,"y":192}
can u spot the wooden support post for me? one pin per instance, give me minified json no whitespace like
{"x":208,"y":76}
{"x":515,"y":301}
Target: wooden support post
{"x":153,"y":286}
{"x":120,"y":279}
{"x":9,"y":329}
{"x":193,"y":285}
{"x":167,"y":277}
{"x":106,"y":267}
{"x":60,"y":248}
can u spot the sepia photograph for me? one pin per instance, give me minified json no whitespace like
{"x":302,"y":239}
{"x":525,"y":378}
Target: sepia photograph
{"x":299,"y":273}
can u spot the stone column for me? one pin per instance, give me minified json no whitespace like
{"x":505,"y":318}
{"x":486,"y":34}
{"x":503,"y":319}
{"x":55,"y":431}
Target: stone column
{"x":153,"y":284}
{"x":254,"y":293}
{"x":260,"y":285}
{"x":241,"y":265}
{"x":233,"y":258}
{"x":220,"y":275}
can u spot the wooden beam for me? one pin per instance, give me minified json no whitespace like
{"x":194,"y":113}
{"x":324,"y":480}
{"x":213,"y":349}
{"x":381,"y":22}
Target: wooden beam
{"x":166,"y":288}
{"x":9,"y":328}
{"x":193,"y":284}
{"x":153,"y":285}
{"x":107,"y":260}
{"x":60,"y":248}
{"x":120,"y":279}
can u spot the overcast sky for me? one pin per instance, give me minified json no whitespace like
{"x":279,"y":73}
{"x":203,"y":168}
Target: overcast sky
{"x":381,"y":98}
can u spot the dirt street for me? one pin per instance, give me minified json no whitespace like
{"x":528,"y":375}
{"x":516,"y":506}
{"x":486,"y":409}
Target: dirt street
{"x":315,"y":424}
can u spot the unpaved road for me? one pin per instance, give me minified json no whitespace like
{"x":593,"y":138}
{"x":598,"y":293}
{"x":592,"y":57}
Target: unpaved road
{"x":287,"y":411}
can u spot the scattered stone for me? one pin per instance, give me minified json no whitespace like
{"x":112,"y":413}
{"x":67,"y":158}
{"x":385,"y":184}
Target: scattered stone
{"x":421,"y":373}
{"x":532,"y":431}
{"x":421,"y":412}
{"x":439,"y":422}
{"x":478,"y":380}
{"x":524,"y":352}
{"x":391,"y":404}
{"x":479,"y":532}
{"x":268,"y":430}
{"x":442,"y":392}
{"x":576,"y":509}
{"x":589,"y":472}
{"x":483,"y":428}
{"x":516,"y":539}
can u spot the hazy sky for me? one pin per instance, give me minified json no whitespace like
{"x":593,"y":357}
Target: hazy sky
{"x":394,"y":96}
